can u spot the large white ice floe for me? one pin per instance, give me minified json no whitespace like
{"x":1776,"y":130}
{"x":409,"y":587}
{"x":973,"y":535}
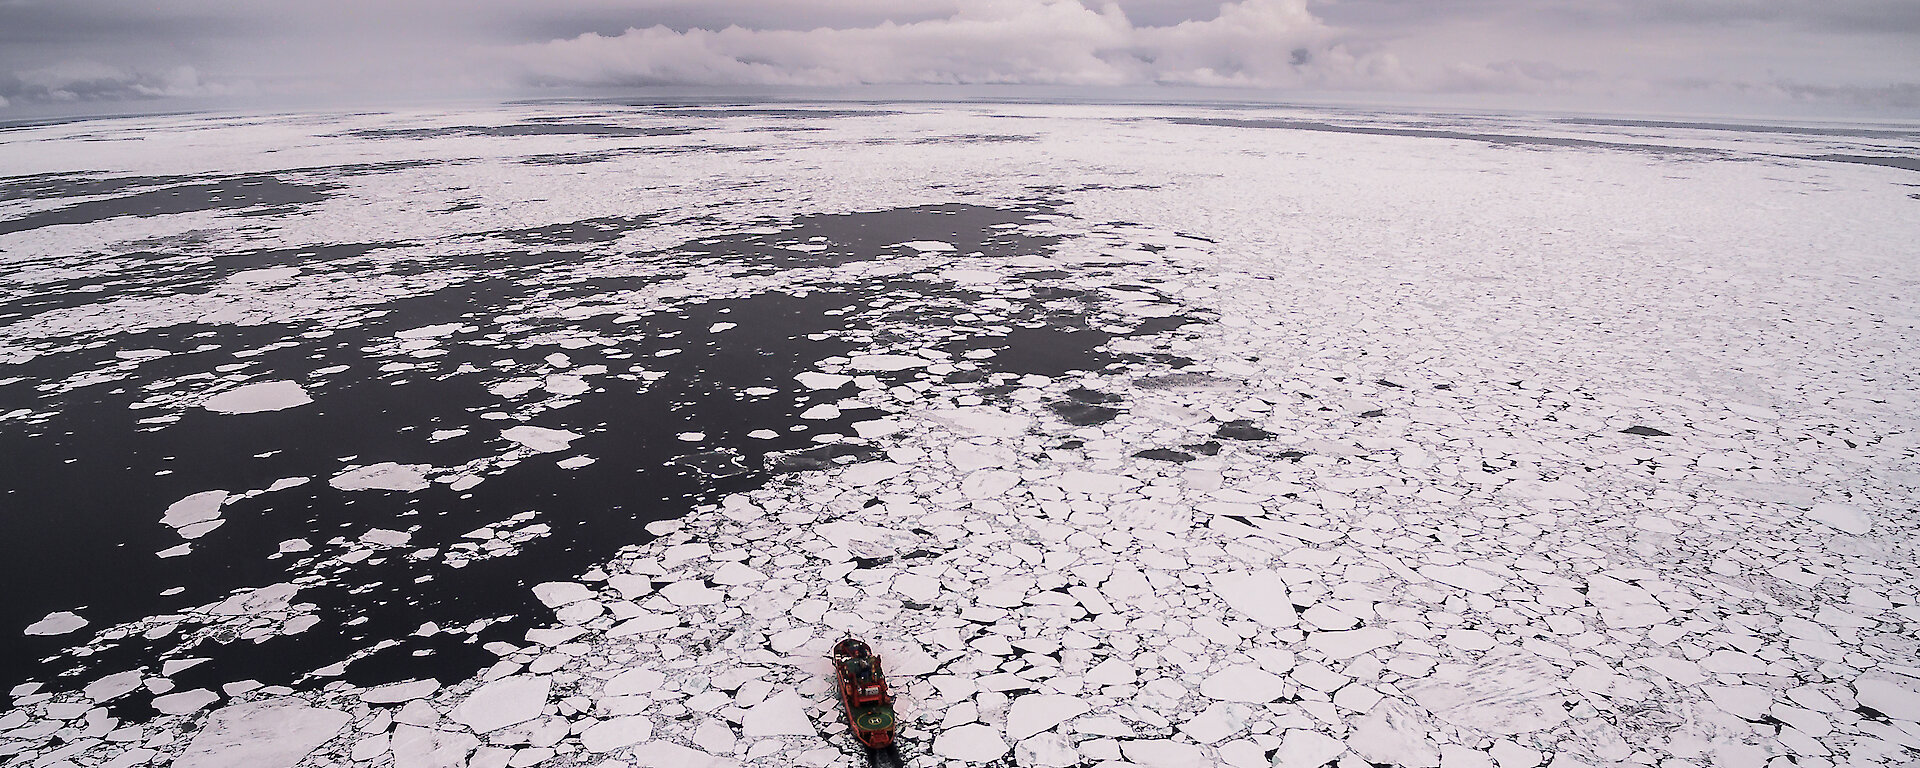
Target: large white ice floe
{"x":540,"y":439}
{"x":1841,"y":517}
{"x":384,"y":476}
{"x":1513,"y":692}
{"x":503,"y":702}
{"x":258,"y":397}
{"x":886,"y":362}
{"x":57,"y":623}
{"x":975,"y":743}
{"x":270,"y":733}
{"x":1258,"y":595}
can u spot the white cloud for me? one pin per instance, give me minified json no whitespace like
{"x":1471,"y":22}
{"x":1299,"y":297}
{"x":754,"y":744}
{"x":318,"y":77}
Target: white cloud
{"x":1060,"y":42}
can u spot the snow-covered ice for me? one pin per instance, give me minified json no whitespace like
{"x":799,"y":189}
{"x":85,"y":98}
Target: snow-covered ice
{"x":1315,"y":435}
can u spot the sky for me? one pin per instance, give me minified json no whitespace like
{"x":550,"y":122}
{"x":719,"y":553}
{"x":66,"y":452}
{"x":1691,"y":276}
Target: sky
{"x":1805,"y":57}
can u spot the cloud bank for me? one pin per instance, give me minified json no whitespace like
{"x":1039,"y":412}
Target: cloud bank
{"x":91,"y":81}
{"x":1250,"y":43}
{"x":1666,"y":55}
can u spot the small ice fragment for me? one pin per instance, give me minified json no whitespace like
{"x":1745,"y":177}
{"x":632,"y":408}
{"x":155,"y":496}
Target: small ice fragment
{"x":763,"y":434}
{"x":691,"y":437}
{"x":175,"y":551}
{"x":821,"y":412}
{"x":258,"y":397}
{"x":718,"y":327}
{"x":445,"y":434}
{"x":927,"y":246}
{"x":57,"y":623}
{"x":575,"y":462}
{"x":540,"y":439}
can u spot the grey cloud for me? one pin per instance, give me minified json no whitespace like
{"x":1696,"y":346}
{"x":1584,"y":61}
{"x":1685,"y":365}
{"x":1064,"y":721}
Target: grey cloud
{"x":1899,"y":96}
{"x":1900,"y":17}
{"x":1897,"y":17}
{"x":1513,"y":76}
{"x":86,"y":81}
